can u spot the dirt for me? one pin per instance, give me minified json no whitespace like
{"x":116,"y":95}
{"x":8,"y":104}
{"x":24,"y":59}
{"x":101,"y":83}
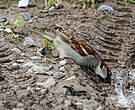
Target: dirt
{"x":111,"y":35}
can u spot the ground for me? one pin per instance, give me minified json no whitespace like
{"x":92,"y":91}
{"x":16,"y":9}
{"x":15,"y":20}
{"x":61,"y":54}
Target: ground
{"x":110,"y":34}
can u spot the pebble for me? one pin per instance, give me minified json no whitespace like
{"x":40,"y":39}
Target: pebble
{"x":6,"y":23}
{"x":42,"y":91}
{"x":29,"y":42}
{"x":2,"y":28}
{"x":43,"y":11}
{"x":23,"y":54}
{"x":59,"y":75}
{"x":23,"y":3}
{"x":29,"y":64}
{"x":50,"y":82}
{"x":71,"y":78}
{"x":50,"y":73}
{"x":3,"y":19}
{"x":106,"y":8}
{"x":62,"y":69}
{"x":18,"y":51}
{"x":48,"y":68}
{"x":55,"y":53}
{"x":52,"y":8}
{"x":20,"y":105}
{"x":8,"y":30}
{"x":52,"y":61}
{"x":26,"y":16}
{"x":37,"y":69}
{"x":14,"y":64}
{"x":20,"y":61}
{"x":39,"y":51}
{"x":78,"y":106}
{"x":62,"y":62}
{"x":35,"y":58}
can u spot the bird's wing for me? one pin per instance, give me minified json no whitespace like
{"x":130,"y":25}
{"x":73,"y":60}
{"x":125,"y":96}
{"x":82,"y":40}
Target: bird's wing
{"x":82,"y":48}
{"x":74,"y":43}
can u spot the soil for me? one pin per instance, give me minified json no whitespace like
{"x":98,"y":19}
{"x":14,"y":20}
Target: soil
{"x":111,"y":35}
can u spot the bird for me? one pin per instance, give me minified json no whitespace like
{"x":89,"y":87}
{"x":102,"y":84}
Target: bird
{"x":79,"y":51}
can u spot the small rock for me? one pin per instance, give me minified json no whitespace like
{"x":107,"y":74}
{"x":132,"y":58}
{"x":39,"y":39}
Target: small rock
{"x":71,"y":78}
{"x":26,"y":16}
{"x":62,"y":62}
{"x":39,"y":51}
{"x":62,"y":69}
{"x":6,"y":23}
{"x":55,"y":53}
{"x":50,"y":73}
{"x":29,"y":64}
{"x":43,"y":91}
{"x":52,"y":8}
{"x":14,"y":64}
{"x":52,"y":61}
{"x":50,"y":82}
{"x":35,"y":58}
{"x":2,"y":28}
{"x":78,"y":106}
{"x":20,"y":105}
{"x":37,"y":69}
{"x":48,"y":68}
{"x":3,"y":19}
{"x":29,"y":42}
{"x":20,"y":61}
{"x":22,"y":54}
{"x":43,"y":11}
{"x":106,"y":8}
{"x":18,"y":51}
{"x":8,"y":30}
{"x":59,"y":75}
{"x":67,"y":67}
{"x":23,"y":3}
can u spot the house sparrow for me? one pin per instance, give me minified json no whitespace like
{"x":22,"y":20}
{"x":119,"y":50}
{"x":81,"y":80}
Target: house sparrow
{"x":80,"y":52}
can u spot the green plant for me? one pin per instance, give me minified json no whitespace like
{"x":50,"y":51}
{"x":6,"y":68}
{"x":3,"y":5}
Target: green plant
{"x":17,"y":23}
{"x":57,"y":2}
{"x":131,"y":1}
{"x":83,"y":5}
{"x":70,"y":0}
{"x":47,"y":44}
{"x":124,"y":1}
{"x":48,"y":3}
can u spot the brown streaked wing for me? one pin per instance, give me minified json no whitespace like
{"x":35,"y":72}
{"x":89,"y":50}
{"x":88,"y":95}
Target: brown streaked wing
{"x":72,"y":42}
{"x":89,"y":49}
